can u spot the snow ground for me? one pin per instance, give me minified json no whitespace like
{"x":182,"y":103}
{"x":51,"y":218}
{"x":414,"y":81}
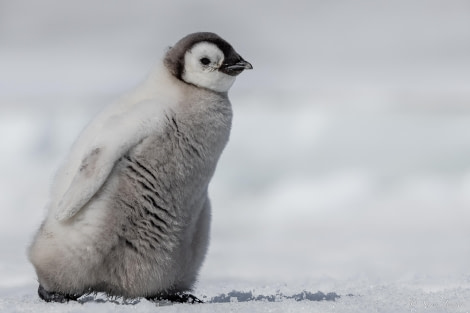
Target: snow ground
{"x":367,"y":298}
{"x":348,"y":168}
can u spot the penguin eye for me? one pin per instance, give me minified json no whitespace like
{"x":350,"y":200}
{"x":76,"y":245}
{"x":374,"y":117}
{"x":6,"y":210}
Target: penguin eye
{"x":205,"y":61}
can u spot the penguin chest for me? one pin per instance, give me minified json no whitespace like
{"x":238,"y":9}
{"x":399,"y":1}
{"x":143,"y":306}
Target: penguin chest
{"x":161,"y":189}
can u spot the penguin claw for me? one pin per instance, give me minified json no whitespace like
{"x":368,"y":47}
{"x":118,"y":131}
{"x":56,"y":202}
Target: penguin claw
{"x":51,"y":296}
{"x":176,"y":298}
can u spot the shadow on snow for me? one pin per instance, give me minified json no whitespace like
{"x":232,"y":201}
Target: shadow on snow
{"x":242,"y":296}
{"x":233,"y":296}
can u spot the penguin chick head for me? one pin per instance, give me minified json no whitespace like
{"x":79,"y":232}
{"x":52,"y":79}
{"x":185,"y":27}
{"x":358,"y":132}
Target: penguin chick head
{"x":205,"y":60}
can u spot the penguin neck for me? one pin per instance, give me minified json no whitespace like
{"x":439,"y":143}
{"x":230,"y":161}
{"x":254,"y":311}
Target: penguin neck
{"x":157,"y":85}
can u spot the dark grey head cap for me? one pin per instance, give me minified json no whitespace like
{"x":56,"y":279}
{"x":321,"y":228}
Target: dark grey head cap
{"x":233,"y":62}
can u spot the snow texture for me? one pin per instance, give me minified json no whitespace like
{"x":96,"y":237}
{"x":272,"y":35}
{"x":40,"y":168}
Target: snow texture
{"x":348,"y":168}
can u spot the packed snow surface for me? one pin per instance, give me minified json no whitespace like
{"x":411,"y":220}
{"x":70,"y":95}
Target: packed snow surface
{"x":348,"y":168}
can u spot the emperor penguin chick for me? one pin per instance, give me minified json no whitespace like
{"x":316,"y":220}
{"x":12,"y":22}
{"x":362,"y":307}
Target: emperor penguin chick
{"x":129,"y":212}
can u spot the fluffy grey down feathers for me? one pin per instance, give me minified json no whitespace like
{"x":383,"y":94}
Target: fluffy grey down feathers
{"x":144,"y":229}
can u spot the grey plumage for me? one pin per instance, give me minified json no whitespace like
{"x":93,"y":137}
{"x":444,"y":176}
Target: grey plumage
{"x":144,"y":230}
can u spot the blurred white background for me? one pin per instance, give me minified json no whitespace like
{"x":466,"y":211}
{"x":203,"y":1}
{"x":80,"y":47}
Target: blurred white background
{"x":350,"y":148}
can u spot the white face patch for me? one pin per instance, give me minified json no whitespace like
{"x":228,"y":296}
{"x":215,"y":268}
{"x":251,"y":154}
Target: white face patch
{"x":201,"y":67}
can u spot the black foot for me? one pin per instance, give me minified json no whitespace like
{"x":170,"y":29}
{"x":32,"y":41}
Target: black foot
{"x":176,"y":298}
{"x":49,"y":296}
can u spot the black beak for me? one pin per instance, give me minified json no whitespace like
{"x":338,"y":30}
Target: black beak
{"x":236,"y":68}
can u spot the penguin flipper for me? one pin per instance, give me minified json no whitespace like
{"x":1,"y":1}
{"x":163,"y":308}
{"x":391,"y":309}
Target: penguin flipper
{"x":92,"y":174}
{"x":119,"y":134}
